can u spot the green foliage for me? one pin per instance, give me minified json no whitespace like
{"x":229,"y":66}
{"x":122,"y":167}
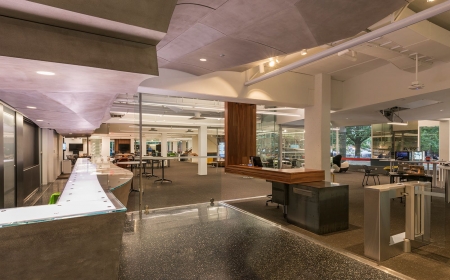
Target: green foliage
{"x":359,"y":136}
{"x":429,"y":138}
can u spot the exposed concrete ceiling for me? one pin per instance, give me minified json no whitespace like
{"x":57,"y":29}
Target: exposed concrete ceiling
{"x":235,"y":32}
{"x":75,"y":100}
{"x":96,"y":51}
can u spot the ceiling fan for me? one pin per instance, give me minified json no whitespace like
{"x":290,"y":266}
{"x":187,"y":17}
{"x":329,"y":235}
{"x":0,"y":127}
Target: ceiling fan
{"x":416,"y":85}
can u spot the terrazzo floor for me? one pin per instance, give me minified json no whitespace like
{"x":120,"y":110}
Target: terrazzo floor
{"x":218,"y":242}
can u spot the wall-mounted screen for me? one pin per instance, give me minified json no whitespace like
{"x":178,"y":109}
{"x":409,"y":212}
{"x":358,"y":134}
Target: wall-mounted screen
{"x":75,"y":147}
{"x":64,"y":146}
{"x":222,"y":149}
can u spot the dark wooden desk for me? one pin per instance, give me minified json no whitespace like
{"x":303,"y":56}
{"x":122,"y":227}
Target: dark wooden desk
{"x":287,"y":176}
{"x":411,"y":177}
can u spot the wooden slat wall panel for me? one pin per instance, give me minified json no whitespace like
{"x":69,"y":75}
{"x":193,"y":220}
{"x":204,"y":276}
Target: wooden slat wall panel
{"x":240,"y":132}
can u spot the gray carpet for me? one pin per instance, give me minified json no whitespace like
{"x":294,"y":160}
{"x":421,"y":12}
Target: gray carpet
{"x":189,"y":188}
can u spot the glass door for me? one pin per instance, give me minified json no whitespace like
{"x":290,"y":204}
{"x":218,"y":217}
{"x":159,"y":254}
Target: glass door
{"x":9,"y":160}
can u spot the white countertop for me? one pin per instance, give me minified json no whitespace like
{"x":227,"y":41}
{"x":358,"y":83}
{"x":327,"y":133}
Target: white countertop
{"x":82,"y":196}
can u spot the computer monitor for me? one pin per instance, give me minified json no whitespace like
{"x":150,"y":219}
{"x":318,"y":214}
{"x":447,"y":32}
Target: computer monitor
{"x":256,"y":161}
{"x":402,"y":155}
{"x":418,"y":156}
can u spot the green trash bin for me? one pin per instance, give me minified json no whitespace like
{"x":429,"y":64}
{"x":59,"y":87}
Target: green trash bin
{"x":54,"y":198}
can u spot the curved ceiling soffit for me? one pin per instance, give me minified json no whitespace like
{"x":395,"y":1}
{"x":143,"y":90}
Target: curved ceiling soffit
{"x":250,"y":34}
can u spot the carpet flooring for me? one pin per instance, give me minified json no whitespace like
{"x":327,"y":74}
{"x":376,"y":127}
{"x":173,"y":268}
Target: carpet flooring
{"x":189,"y":188}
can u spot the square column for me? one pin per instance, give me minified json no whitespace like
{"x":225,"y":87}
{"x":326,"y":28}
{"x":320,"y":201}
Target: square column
{"x":202,"y":150}
{"x":317,"y":127}
{"x":444,"y":143}
{"x":164,"y":144}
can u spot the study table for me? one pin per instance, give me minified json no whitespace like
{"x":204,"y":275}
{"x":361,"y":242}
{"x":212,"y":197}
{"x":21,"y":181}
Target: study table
{"x":79,"y":236}
{"x":433,"y":163}
{"x":308,"y":201}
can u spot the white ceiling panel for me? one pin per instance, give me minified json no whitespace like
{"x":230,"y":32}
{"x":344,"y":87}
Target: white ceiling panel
{"x":405,"y":37}
{"x":359,"y":69}
{"x":184,"y":44}
{"x":434,"y":49}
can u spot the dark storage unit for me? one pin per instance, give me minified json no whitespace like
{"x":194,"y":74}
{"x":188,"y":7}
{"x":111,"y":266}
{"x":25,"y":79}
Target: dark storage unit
{"x":319,"y":207}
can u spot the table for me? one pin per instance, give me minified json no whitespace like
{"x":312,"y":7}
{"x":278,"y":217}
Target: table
{"x":434,"y":163}
{"x":131,"y":163}
{"x":162,"y":179}
{"x":411,"y":177}
{"x":162,"y":159}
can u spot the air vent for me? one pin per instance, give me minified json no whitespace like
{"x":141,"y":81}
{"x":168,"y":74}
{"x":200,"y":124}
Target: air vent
{"x":113,"y":115}
{"x":197,"y":116}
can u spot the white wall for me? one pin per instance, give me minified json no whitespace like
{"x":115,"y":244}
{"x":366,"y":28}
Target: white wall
{"x":76,"y":141}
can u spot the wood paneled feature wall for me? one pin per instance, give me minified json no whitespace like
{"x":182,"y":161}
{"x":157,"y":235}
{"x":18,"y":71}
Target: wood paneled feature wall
{"x":240,"y":132}
{"x":121,"y":141}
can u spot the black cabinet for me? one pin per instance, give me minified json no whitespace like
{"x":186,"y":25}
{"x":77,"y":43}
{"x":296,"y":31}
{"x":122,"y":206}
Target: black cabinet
{"x":319,"y":207}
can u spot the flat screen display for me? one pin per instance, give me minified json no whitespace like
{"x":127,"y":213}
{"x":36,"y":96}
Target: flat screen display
{"x":403,"y":155}
{"x":64,"y":146}
{"x":418,"y":155}
{"x":75,"y":147}
{"x":222,"y":149}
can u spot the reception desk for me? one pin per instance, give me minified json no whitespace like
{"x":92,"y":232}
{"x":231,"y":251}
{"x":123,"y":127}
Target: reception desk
{"x":308,"y":201}
{"x":77,"y":238}
{"x":287,"y":176}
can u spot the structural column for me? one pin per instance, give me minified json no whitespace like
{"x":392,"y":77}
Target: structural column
{"x":240,"y":133}
{"x":164,"y":144}
{"x":444,"y":142}
{"x":202,"y":150}
{"x":317,"y":127}
{"x":174,"y":146}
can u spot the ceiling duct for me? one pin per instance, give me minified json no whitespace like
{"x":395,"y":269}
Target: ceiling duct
{"x":197,"y":116}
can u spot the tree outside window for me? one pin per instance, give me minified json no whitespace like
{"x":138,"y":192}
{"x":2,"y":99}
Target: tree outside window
{"x":358,"y":141}
{"x":429,"y":139}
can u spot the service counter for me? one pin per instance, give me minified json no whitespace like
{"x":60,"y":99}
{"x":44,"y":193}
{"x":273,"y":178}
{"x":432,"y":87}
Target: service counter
{"x":308,"y":201}
{"x":79,"y":237}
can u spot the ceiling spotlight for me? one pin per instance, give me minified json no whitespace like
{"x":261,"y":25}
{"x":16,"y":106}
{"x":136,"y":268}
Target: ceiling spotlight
{"x":31,"y":107}
{"x":304,"y":52}
{"x":39,"y":120}
{"x":203,"y":59}
{"x":430,"y":0}
{"x":46,"y":73}
{"x":272,"y":63}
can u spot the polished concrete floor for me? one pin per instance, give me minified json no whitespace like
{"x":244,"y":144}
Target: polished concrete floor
{"x":218,"y":242}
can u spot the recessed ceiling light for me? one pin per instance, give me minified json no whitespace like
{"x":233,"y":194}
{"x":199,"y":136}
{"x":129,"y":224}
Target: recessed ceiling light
{"x":31,"y":107}
{"x":45,"y":73}
{"x":442,"y":110}
{"x":304,"y":52}
{"x":203,"y":59}
{"x":221,"y":55}
{"x":70,"y":133}
{"x":272,"y":63}
{"x":39,"y":120}
{"x":430,"y":0}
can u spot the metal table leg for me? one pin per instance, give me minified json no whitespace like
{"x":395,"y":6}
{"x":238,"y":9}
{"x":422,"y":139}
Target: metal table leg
{"x":162,"y":180}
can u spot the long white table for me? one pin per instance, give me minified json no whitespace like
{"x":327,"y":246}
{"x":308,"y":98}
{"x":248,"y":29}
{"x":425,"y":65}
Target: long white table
{"x":82,"y":196}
